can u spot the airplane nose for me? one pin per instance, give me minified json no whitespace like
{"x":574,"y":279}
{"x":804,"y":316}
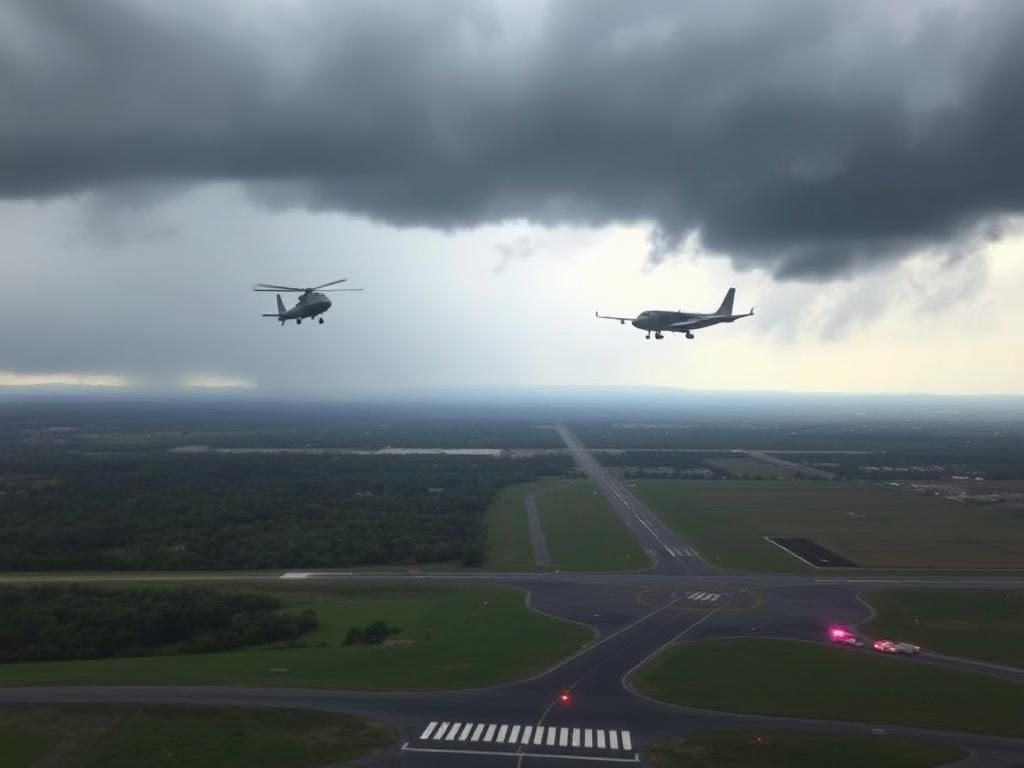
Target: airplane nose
{"x":635,"y":323}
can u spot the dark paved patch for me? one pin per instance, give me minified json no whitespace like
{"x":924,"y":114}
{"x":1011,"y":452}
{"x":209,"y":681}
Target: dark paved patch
{"x":812,"y":552}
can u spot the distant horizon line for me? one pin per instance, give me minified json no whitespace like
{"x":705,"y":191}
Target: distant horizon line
{"x":257,"y":394}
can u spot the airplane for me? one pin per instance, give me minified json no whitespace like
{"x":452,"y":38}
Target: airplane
{"x":657,"y":321}
{"x":311,"y":303}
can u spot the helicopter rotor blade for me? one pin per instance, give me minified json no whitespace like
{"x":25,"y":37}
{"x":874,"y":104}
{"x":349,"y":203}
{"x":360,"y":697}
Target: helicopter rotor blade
{"x":267,"y":287}
{"x":333,"y":282}
{"x":339,"y":290}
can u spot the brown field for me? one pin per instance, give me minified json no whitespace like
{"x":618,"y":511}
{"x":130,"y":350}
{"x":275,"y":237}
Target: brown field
{"x":745,"y":467}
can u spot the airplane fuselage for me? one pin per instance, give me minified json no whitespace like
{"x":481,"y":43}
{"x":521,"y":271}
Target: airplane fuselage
{"x":660,"y":320}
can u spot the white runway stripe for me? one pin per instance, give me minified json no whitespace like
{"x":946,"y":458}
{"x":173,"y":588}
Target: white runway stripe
{"x":459,"y":733}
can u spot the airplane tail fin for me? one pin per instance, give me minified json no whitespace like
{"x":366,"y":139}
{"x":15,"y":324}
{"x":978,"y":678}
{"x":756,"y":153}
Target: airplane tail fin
{"x":281,"y":310}
{"x":726,"y":308}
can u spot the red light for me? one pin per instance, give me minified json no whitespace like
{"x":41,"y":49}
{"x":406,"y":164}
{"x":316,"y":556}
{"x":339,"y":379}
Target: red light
{"x":838,"y":632}
{"x":564,"y":697}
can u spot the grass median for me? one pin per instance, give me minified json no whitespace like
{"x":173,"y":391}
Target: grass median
{"x":795,"y":679}
{"x":508,"y":532}
{"x":795,"y":749}
{"x":584,"y":533}
{"x":126,"y":736}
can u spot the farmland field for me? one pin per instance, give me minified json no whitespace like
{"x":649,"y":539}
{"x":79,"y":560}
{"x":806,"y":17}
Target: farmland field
{"x":746,"y":467}
{"x":871,"y":525}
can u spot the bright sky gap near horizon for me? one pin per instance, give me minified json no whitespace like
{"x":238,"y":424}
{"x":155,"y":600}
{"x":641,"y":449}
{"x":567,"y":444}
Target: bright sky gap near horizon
{"x":493,"y":173}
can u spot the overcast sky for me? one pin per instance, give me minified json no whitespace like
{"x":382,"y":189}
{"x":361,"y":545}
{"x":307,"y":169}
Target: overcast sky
{"x":492,"y":173}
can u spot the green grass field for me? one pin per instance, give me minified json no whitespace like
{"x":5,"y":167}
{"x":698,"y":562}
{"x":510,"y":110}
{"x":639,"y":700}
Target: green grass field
{"x":783,"y":677}
{"x":871,"y":525}
{"x":584,"y":533}
{"x":795,"y":749}
{"x":508,"y":533}
{"x":22,"y":744}
{"x":127,"y":736}
{"x":452,"y":638}
{"x":983,"y":624}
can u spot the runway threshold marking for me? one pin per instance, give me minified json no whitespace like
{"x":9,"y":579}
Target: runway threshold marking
{"x":462,"y":737}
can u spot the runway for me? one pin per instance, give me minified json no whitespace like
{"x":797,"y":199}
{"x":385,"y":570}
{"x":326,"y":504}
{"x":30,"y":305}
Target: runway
{"x":635,"y":615}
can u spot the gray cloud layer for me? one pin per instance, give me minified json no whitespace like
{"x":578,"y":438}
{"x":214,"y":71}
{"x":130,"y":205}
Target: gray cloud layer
{"x":808,"y":138}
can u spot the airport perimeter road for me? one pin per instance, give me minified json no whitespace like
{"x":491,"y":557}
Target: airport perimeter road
{"x":670,"y":552}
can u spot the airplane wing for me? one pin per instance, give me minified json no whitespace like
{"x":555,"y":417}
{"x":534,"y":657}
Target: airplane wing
{"x":686,"y":325}
{"x":612,"y":317}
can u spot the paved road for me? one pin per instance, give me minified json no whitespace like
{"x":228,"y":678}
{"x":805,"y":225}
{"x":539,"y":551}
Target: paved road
{"x":635,"y":615}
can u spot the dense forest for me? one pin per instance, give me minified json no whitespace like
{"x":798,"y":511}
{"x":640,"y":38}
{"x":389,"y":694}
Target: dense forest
{"x":137,"y":511}
{"x":49,"y":623}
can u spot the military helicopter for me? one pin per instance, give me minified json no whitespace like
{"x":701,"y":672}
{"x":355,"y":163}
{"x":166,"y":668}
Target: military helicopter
{"x":312,"y":302}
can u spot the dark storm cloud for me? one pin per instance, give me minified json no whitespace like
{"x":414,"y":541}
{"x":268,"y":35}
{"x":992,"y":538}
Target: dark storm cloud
{"x":805,"y":137}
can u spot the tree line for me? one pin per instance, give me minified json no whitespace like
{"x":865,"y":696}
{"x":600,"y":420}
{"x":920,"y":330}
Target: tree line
{"x":50,"y":622}
{"x":223,"y":511}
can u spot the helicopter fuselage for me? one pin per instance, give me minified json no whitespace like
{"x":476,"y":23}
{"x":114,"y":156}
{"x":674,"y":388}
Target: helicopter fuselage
{"x":309,"y":305}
